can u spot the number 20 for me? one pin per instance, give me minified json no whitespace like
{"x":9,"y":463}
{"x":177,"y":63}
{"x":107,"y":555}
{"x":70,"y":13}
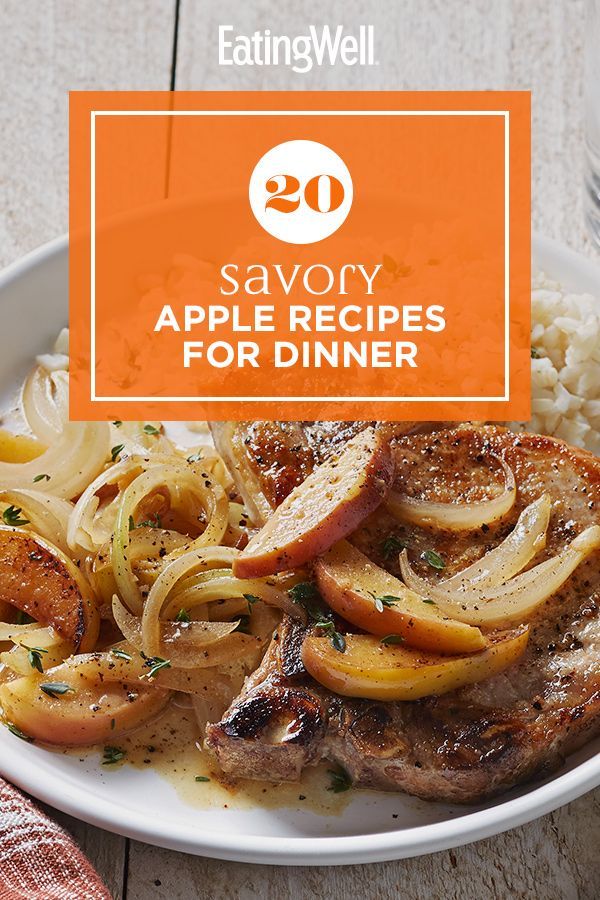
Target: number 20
{"x":322,"y":194}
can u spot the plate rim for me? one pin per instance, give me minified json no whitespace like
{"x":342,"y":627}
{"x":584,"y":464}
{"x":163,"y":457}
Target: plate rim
{"x":339,"y":850}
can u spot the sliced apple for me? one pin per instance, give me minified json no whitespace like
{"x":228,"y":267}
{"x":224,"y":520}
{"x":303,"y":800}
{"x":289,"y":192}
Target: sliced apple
{"x":326,"y":507}
{"x":377,"y":671}
{"x":40,"y":580}
{"x":87,"y":713}
{"x":371,"y":598}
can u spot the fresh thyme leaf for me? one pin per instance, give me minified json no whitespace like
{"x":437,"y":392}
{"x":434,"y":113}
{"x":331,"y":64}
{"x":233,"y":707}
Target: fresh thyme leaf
{"x":391,"y":546}
{"x":383,"y":601}
{"x":56,"y":688}
{"x":18,"y":733}
{"x":251,"y":598}
{"x":12,"y":516}
{"x":118,"y":423}
{"x":182,"y":616}
{"x":155,"y":664}
{"x":304,"y":590}
{"x":434,"y":559}
{"x":150,"y":429}
{"x":115,"y":451}
{"x":156,"y":522}
{"x":41,"y":478}
{"x":340,"y":780}
{"x":150,"y":523}
{"x":120,"y":654}
{"x":306,"y":595}
{"x":146,"y":523}
{"x":195,"y":457}
{"x":113,"y":722}
{"x":34,"y":655}
{"x":392,"y":639}
{"x":201,"y":778}
{"x":338,"y":641}
{"x":427,"y":600}
{"x":112,"y":755}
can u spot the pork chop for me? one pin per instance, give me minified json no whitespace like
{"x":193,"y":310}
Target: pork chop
{"x":480,"y":740}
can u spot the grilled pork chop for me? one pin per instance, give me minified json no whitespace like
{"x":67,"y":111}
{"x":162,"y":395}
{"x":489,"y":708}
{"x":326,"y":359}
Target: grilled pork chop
{"x":480,"y":740}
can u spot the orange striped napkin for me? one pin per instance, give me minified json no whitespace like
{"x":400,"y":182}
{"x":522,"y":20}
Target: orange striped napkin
{"x":38,"y":859}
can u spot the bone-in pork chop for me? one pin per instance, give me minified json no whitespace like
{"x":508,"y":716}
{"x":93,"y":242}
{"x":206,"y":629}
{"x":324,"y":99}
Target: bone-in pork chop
{"x":480,"y":740}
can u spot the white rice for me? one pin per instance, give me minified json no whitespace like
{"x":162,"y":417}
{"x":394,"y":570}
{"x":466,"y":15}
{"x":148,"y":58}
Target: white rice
{"x":565,"y":364}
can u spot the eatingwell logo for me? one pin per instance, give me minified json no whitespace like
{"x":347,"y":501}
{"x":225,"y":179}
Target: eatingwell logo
{"x":321,"y":46}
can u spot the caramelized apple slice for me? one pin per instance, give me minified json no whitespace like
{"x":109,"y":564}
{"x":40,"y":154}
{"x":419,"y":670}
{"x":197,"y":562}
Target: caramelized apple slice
{"x":40,"y":580}
{"x":371,"y":598}
{"x":327,"y":506}
{"x":81,"y":711}
{"x":378,"y":671}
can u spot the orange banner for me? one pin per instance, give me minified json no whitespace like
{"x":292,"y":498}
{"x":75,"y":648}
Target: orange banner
{"x":300,"y":256}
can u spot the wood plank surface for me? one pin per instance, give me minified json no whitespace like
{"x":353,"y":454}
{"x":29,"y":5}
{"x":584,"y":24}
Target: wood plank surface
{"x":532,"y":45}
{"x":49,"y":47}
{"x":555,"y":857}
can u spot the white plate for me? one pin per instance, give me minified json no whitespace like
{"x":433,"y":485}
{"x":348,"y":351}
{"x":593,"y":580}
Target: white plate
{"x":139,"y":804}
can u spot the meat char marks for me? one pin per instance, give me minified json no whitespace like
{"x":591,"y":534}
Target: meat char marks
{"x":478,"y":741}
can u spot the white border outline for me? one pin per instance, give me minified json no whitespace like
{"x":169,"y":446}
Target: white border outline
{"x":505,"y":114}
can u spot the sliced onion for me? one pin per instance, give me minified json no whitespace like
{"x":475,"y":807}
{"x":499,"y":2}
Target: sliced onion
{"x":205,"y":565}
{"x":61,"y":344}
{"x":74,"y":459}
{"x":189,"y":489}
{"x":497,"y":566}
{"x":10,"y":632}
{"x":88,"y":529}
{"x":54,"y":650}
{"x":187,"y":564}
{"x":109,"y":667}
{"x":456,"y":516}
{"x":147,"y":548}
{"x":513,"y":602}
{"x":48,"y":516}
{"x":91,"y":524}
{"x":211,"y":462}
{"x":189,"y":645}
{"x":137,"y":441}
{"x":45,"y":403}
{"x":208,"y":682}
{"x":228,"y":441}
{"x":211,"y":702}
{"x":219,"y":584}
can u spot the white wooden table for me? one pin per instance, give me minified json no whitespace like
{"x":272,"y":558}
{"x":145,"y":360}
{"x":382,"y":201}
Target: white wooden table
{"x":51,"y":46}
